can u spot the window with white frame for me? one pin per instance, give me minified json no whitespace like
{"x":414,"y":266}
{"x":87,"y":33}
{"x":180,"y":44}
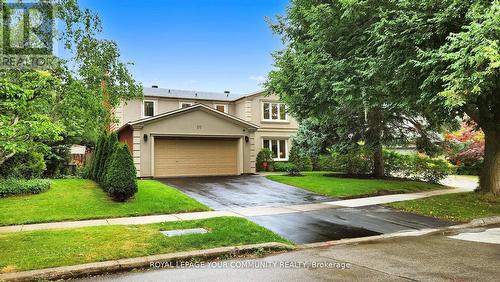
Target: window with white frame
{"x":279,"y":148}
{"x":185,"y":104}
{"x":274,"y":111}
{"x":148,"y":108}
{"x":221,"y":107}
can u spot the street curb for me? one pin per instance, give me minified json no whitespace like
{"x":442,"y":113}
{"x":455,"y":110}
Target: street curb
{"x":474,"y":223}
{"x":82,"y":270}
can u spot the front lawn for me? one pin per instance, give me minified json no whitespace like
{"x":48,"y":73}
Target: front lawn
{"x":75,"y":199}
{"x":338,"y":187}
{"x":460,"y":207}
{"x":52,"y":248}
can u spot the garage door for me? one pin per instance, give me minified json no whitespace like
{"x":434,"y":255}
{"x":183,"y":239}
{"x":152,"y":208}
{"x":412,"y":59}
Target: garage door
{"x":192,"y":157}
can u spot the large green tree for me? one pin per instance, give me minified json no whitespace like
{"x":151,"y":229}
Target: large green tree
{"x":329,"y":71}
{"x":24,"y":123}
{"x":400,"y":62}
{"x":66,"y":101}
{"x":446,"y":54}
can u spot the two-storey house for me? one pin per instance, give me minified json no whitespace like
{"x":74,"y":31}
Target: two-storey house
{"x":193,"y":133}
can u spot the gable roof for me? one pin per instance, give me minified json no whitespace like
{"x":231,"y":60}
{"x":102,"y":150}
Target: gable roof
{"x":189,"y":109}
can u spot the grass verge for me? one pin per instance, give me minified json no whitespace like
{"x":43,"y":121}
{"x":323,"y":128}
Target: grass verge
{"x":461,"y":207}
{"x":352,"y":188}
{"x":52,"y":248}
{"x":76,"y":199}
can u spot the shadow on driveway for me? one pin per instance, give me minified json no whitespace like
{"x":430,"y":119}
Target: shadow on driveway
{"x":340,"y":223}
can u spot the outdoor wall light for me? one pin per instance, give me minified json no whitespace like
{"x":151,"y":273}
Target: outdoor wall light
{"x":246,"y":139}
{"x":145,"y":137}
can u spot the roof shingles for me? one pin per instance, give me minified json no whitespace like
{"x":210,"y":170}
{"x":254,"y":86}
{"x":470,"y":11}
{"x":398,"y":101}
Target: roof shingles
{"x":190,"y":95}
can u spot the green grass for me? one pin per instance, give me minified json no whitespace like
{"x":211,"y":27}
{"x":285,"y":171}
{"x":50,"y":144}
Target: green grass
{"x":461,"y":207}
{"x":352,"y":188}
{"x":75,"y":199}
{"x":52,"y":248}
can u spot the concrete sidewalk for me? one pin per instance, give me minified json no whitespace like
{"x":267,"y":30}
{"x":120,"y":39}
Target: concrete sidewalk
{"x":243,"y":212}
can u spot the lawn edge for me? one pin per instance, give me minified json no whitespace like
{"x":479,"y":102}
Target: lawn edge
{"x":106,"y":217}
{"x":479,"y":222}
{"x":369,"y":195}
{"x":112,"y":266}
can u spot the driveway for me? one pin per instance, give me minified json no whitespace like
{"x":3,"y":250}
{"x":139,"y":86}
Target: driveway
{"x":237,"y":192}
{"x":230,"y":192}
{"x":340,"y":223}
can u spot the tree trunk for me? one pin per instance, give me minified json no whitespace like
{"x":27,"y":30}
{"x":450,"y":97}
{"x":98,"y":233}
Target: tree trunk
{"x":374,"y":140}
{"x":378,"y":162}
{"x":490,"y":175}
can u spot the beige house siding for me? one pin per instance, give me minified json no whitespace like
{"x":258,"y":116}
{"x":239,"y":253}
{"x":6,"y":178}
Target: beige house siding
{"x":132,"y":110}
{"x":267,"y":129}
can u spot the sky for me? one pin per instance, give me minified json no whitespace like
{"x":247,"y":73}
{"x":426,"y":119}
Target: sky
{"x":206,"y":45}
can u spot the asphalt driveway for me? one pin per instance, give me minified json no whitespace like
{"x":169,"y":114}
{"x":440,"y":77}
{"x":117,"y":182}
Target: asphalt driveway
{"x":229,"y":192}
{"x":236,"y":192}
{"x":340,"y":223}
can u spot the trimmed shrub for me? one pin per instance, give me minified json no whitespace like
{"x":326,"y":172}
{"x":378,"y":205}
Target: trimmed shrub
{"x":282,"y":166}
{"x":10,"y":187}
{"x":432,"y":169}
{"x":356,"y":161}
{"x":397,"y":164}
{"x":302,"y":161}
{"x":417,"y":166}
{"x":293,"y":171}
{"x":265,"y":156}
{"x":120,"y":181}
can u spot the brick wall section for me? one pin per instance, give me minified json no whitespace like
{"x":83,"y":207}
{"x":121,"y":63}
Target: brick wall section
{"x":126,"y":137}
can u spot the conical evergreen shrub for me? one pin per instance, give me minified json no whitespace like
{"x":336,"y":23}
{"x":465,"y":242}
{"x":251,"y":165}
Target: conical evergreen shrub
{"x":120,"y":179}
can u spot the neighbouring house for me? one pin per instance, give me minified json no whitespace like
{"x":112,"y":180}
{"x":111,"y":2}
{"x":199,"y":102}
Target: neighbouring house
{"x":192,"y":133}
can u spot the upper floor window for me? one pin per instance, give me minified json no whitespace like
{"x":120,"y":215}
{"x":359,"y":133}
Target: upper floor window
{"x":221,"y":107}
{"x":274,"y":111}
{"x":185,"y":104}
{"x":148,"y":108}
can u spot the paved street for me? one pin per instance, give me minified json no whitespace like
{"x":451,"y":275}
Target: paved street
{"x":425,"y":258}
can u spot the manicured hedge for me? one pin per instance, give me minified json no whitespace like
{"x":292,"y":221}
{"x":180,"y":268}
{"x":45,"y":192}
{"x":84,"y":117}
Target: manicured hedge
{"x":417,"y":166}
{"x":414,"y":166}
{"x":283,"y":166}
{"x":9,"y":187}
